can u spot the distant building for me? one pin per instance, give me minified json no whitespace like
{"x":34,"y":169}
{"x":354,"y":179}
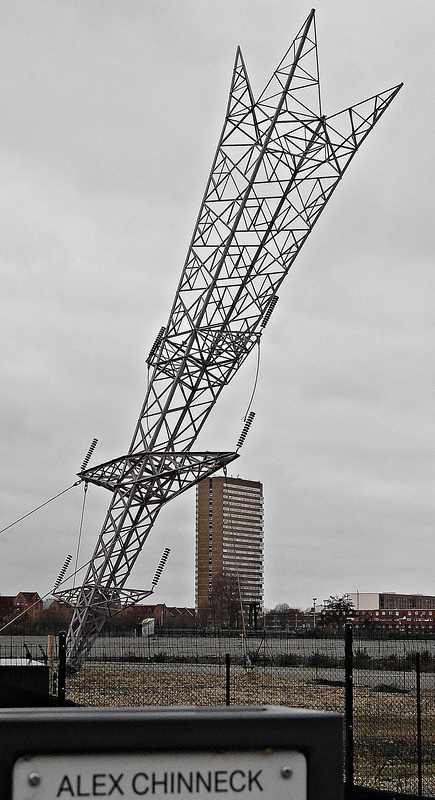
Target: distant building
{"x":163,"y":617}
{"x":365,"y":601}
{"x":393,"y":611}
{"x":23,"y":607}
{"x":285,"y":618}
{"x":58,"y":614}
{"x":30,"y":603}
{"x":229,"y":540}
{"x":176,"y":617}
{"x":28,"y":607}
{"x":6,"y":608}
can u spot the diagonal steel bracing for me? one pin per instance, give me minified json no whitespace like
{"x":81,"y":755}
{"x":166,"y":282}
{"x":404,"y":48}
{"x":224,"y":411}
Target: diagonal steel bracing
{"x":278,"y":161}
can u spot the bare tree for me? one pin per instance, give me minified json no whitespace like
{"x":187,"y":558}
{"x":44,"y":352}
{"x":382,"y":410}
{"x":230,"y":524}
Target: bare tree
{"x":284,"y":617}
{"x":224,"y":601}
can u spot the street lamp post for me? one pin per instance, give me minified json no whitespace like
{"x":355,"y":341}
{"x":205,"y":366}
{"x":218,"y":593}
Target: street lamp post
{"x":314,"y":613}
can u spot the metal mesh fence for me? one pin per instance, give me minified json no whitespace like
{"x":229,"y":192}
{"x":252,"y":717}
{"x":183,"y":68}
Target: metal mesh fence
{"x":386,"y":715}
{"x":192,"y":669}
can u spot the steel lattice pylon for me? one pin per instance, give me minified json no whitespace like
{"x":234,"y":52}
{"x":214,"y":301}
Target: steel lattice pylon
{"x":277,"y":163}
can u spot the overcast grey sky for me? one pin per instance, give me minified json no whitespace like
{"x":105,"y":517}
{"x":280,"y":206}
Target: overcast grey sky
{"x":110,"y":115}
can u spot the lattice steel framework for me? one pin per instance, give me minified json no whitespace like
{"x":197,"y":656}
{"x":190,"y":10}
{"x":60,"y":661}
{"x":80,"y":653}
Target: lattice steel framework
{"x":277,"y":163}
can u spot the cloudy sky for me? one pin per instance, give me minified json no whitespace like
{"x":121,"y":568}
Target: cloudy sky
{"x":110,"y":115}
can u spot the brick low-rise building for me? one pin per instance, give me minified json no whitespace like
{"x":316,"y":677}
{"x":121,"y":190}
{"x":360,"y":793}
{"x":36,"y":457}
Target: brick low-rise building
{"x":164,"y":617}
{"x":6,"y":608}
{"x":393,"y":611}
{"x":30,"y":603}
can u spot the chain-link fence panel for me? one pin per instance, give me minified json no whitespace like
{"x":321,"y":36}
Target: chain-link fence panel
{"x":393,"y":725}
{"x":191,"y":670}
{"x":389,"y":717}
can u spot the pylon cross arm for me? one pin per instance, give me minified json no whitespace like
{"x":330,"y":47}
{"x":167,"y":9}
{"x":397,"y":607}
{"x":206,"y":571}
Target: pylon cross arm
{"x":159,"y":475}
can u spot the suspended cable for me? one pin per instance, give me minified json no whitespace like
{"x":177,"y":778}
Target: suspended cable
{"x":38,"y":507}
{"x":257,"y":371}
{"x":79,"y":539}
{"x":47,"y":594}
{"x":29,"y":608}
{"x":60,"y":580}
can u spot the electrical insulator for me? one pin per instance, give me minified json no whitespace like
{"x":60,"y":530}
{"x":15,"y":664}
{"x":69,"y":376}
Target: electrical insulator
{"x":269,"y":309}
{"x":59,"y":578}
{"x":156,"y":345}
{"x":247,"y":425}
{"x":89,"y":453}
{"x":160,"y":566}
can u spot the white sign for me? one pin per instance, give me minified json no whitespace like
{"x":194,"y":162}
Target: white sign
{"x":244,"y":775}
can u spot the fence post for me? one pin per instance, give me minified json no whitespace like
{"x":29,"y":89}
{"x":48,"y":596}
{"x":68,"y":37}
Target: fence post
{"x":62,"y":669}
{"x":227,"y":679}
{"x":419,"y":748}
{"x":348,"y":713}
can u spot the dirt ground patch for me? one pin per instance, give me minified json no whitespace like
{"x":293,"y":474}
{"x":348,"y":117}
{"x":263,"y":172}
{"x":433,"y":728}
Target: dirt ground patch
{"x":385,"y":730}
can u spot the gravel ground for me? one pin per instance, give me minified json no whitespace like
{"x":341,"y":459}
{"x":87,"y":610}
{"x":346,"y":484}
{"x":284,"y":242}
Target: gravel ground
{"x":384,"y":720}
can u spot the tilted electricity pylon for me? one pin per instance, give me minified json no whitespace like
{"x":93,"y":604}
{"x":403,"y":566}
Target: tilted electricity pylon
{"x":278,"y":161}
